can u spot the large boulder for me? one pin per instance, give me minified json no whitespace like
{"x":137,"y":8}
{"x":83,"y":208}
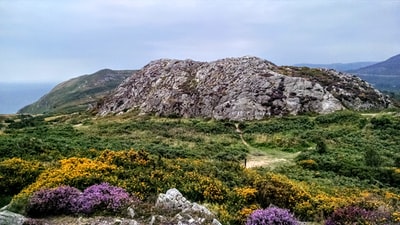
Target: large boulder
{"x":238,"y":89}
{"x":186,"y":213}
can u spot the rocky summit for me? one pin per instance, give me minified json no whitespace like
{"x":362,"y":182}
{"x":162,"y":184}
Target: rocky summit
{"x":244,"y":88}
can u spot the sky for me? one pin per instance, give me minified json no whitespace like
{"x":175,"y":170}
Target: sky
{"x":53,"y":41}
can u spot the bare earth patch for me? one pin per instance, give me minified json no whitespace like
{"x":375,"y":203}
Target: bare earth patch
{"x":264,"y":161}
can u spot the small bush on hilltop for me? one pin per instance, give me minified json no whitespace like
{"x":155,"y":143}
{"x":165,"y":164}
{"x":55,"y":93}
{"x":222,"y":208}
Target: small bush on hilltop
{"x":271,"y":216}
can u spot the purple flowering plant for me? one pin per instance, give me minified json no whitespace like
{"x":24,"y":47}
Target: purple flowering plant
{"x":67,"y":200}
{"x":102,"y":197}
{"x":54,"y":201}
{"x":271,"y":216}
{"x":357,"y":215}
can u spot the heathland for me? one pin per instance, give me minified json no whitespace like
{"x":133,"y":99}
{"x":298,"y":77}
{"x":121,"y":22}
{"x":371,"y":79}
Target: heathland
{"x":309,"y":164}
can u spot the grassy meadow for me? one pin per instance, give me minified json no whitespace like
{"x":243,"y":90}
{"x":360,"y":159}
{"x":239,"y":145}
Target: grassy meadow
{"x":310,"y":164}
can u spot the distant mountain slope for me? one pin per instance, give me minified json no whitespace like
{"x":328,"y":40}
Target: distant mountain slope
{"x":244,"y":88}
{"x":384,"y":75}
{"x":342,"y":67}
{"x":78,"y":93}
{"x":387,"y":67}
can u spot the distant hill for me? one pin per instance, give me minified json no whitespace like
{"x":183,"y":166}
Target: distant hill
{"x":390,"y":67}
{"x":342,"y":67}
{"x":384,"y":75}
{"x":78,"y":93}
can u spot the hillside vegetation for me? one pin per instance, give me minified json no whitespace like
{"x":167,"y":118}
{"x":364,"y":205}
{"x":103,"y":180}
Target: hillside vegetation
{"x":327,"y":162}
{"x":79,"y":93}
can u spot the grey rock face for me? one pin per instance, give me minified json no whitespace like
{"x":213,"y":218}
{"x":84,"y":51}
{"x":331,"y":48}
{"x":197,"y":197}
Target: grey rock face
{"x":172,"y":199}
{"x":7,"y":218}
{"x":245,"y":88}
{"x":186,"y":212}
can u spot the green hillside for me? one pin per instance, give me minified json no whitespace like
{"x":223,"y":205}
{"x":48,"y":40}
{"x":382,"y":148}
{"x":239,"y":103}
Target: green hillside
{"x":312,"y":165}
{"x":78,"y":93}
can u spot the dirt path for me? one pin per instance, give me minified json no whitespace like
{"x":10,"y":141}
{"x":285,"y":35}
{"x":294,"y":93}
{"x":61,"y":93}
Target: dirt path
{"x":257,"y":158}
{"x":264,"y":161}
{"x":240,"y":132}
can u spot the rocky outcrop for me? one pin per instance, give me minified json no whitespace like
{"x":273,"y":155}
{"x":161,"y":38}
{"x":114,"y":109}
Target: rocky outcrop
{"x":7,"y":218}
{"x":186,"y":213}
{"x":238,"y":89}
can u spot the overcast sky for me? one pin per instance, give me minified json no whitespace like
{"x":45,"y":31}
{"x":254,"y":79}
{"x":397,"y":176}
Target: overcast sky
{"x":55,"y":40}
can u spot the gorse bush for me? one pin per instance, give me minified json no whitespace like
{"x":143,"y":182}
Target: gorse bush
{"x":66,"y":200}
{"x":76,"y":172}
{"x":272,"y":216}
{"x":280,"y":191}
{"x":16,"y":173}
{"x":126,"y":159}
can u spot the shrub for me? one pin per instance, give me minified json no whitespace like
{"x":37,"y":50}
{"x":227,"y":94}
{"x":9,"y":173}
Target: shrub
{"x":16,"y":173}
{"x":200,"y":187}
{"x":339,"y":117}
{"x":321,"y":205}
{"x":373,"y":158}
{"x":102,"y":197}
{"x":357,"y":215}
{"x":76,"y":172}
{"x":308,"y":164}
{"x":126,"y":159}
{"x":280,"y":191}
{"x":321,"y":146}
{"x":56,"y":201}
{"x":271,"y":216}
{"x":382,"y":122}
{"x":66,"y":200}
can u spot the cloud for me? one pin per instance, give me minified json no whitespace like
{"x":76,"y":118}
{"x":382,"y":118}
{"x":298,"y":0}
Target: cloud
{"x":93,"y":34}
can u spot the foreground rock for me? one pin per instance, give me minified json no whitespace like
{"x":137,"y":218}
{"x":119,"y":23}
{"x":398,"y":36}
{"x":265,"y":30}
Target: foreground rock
{"x":186,"y":213}
{"x":238,"y":89}
{"x":7,"y":218}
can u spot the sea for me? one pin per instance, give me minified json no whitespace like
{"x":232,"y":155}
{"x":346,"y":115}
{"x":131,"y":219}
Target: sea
{"x":14,"y":96}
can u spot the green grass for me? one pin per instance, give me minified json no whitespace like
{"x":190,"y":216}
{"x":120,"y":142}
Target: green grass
{"x":347,"y":136}
{"x":359,"y":150}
